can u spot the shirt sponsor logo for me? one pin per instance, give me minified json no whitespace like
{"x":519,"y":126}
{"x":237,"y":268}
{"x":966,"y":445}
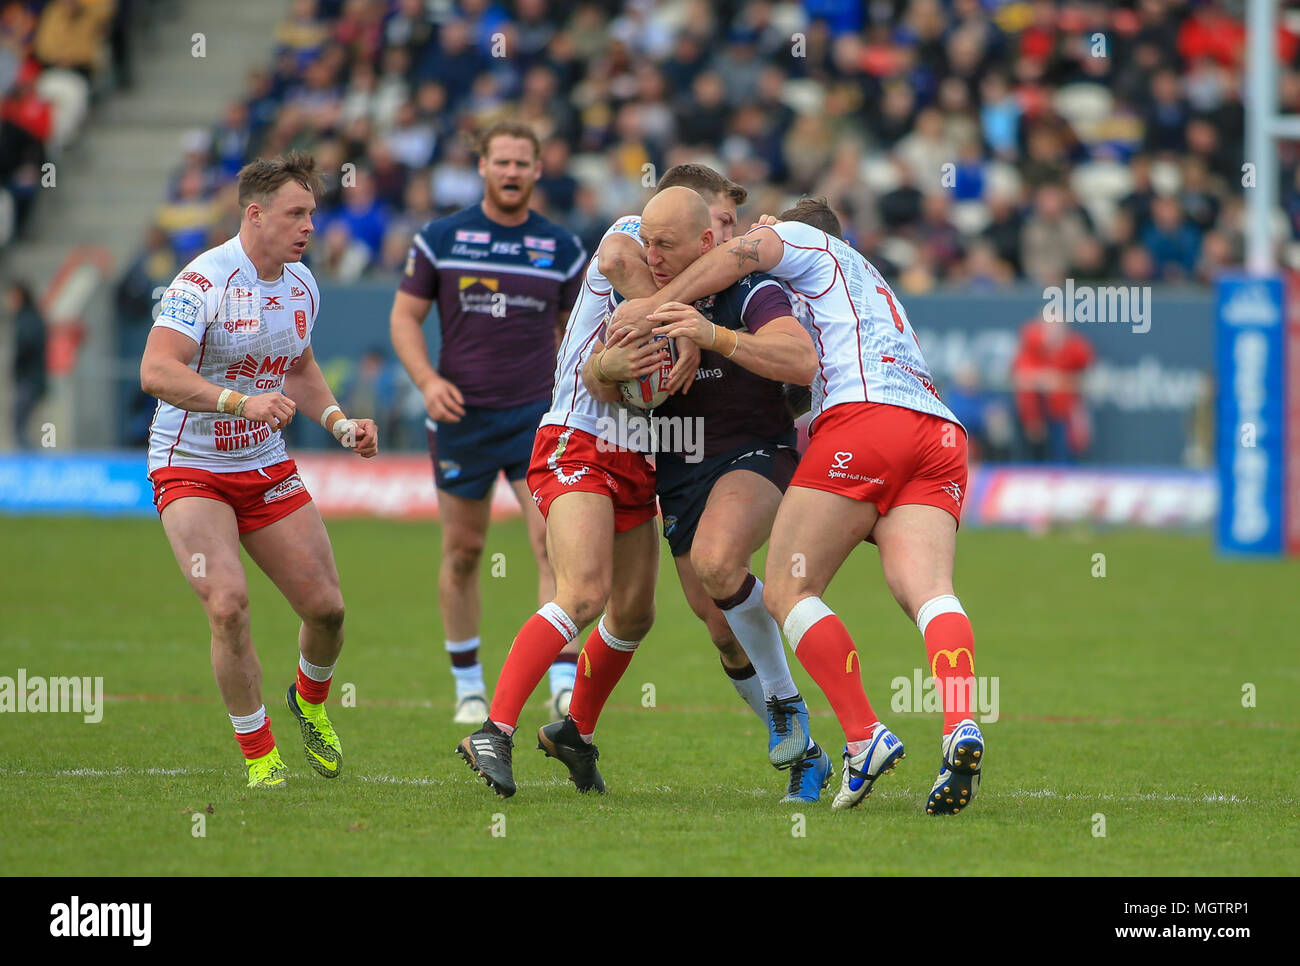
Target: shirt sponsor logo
{"x":197,"y":279}
{"x":474,"y":237}
{"x":468,"y":281}
{"x":631,"y":226}
{"x":181,"y":306}
{"x":467,"y":252}
{"x":274,"y":367}
{"x":271,"y":302}
{"x":409,"y":270}
{"x":242,"y":325}
{"x":506,"y":248}
{"x":300,"y":323}
{"x":242,"y":293}
{"x":545,"y":244}
{"x":284,"y":489}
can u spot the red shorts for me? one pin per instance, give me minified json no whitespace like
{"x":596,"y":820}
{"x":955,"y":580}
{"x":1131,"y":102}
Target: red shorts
{"x":567,"y":460}
{"x":258,"y":497}
{"x":886,"y":455}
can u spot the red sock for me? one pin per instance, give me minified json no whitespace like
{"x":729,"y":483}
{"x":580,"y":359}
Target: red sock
{"x":257,"y":743}
{"x":950,"y":645}
{"x":827,"y":653}
{"x":313,"y":692}
{"x":600,"y":666}
{"x":531,"y":655}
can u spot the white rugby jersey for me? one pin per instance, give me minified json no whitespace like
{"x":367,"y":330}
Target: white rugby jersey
{"x":866,"y":349}
{"x":571,"y":404}
{"x":248,"y":335}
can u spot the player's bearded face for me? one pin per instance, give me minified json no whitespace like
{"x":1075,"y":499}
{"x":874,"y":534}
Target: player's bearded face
{"x":509,"y":171}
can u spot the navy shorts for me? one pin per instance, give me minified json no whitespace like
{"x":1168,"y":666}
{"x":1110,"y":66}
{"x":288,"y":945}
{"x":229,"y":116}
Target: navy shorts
{"x":684,"y":488}
{"x":468,"y":455}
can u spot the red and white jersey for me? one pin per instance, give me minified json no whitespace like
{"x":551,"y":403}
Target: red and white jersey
{"x":248,"y":335}
{"x":866,"y":349}
{"x":571,"y":404}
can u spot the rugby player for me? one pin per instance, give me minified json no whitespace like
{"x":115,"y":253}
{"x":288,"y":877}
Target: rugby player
{"x":599,"y":502}
{"x":623,"y":261}
{"x":504,"y":279}
{"x":886,"y":463}
{"x":728,"y":493}
{"x":230,"y":362}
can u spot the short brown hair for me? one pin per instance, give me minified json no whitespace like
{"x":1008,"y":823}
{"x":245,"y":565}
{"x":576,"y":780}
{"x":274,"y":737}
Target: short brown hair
{"x":815,"y":212}
{"x":260,"y":179}
{"x":704,"y":180}
{"x":509,"y":129}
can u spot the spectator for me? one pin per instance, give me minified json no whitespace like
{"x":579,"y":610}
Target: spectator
{"x":1047,"y":376}
{"x":1174,"y":244}
{"x":29,"y":357}
{"x":1050,"y":236}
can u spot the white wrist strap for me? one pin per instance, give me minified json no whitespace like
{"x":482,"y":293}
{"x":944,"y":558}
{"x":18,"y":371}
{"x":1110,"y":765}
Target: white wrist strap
{"x":325,"y":416}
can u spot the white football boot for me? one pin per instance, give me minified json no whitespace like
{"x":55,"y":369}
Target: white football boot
{"x":884,"y":751}
{"x":959,"y":773}
{"x":471,"y":709}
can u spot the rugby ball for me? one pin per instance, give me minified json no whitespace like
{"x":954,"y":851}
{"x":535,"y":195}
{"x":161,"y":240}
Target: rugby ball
{"x":650,"y":391}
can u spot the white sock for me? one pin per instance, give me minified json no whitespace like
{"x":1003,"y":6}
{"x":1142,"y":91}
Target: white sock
{"x":761,"y":639}
{"x":750,"y":690}
{"x":314,"y":671}
{"x":469,"y":680}
{"x":562,"y":676}
{"x":248,"y":723}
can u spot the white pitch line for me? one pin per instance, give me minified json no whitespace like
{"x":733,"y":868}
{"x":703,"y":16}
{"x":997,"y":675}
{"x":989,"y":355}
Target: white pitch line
{"x":1208,"y":798}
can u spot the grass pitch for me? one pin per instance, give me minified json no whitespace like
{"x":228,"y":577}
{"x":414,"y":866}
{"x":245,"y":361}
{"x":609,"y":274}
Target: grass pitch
{"x":1120,"y":701}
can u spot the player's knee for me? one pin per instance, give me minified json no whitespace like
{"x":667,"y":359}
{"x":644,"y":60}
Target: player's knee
{"x":778,"y":599}
{"x":720,"y":575}
{"x":586,"y":606}
{"x":633,"y":626}
{"x":326,"y":613}
{"x":462,"y":558}
{"x":227,"y":608}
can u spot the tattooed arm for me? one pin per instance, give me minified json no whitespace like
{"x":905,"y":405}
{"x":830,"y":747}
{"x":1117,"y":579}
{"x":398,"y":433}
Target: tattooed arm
{"x":758,"y":251}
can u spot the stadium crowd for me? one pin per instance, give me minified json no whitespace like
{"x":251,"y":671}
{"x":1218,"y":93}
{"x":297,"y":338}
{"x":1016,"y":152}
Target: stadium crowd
{"x":969,"y":142}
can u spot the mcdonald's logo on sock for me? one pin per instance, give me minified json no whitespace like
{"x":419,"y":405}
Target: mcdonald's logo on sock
{"x":953,"y":657}
{"x":848,"y":662}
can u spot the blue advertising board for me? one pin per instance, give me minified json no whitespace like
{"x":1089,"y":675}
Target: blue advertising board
{"x":1250,"y":347}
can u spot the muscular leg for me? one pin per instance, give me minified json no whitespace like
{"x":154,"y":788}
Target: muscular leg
{"x":701,"y":604}
{"x":814,"y":533}
{"x":580,"y":543}
{"x":917,"y":547}
{"x":629,"y":615}
{"x":537,"y":540}
{"x":199,"y":526}
{"x":736,"y":521}
{"x":295,"y":553}
{"x":735,"y":662}
{"x":562,"y":670}
{"x":918,"y":544}
{"x":464,"y":532}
